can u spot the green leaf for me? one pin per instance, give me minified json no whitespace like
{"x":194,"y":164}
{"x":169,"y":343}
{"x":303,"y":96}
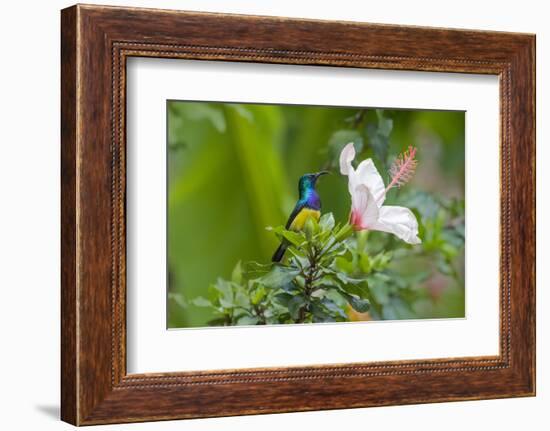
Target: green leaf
{"x":226,"y":302}
{"x":380,"y":292}
{"x":354,"y":299}
{"x":329,"y":281}
{"x":365,"y":263}
{"x":201,"y":302}
{"x":294,"y":238}
{"x":341,"y":138}
{"x":178,"y":298}
{"x":259,"y":294}
{"x":381,"y":261}
{"x":256,"y":267}
{"x":227,"y":299}
{"x":379,"y":136}
{"x":343,"y":264}
{"x":349,"y":280}
{"x":241,"y":110}
{"x":202,"y":111}
{"x":247,"y":320}
{"x":321,"y":313}
{"x":358,"y":304}
{"x":385,"y":125}
{"x":290,"y":288}
{"x":378,"y":143}
{"x":283,"y":298}
{"x":237,"y":274}
{"x":295,"y":305}
{"x":311,"y":228}
{"x":326,"y":223}
{"x":444,"y":267}
{"x":343,"y":233}
{"x":298,"y":259}
{"x":361,"y":290}
{"x":222,"y":292}
{"x":334,"y":308}
{"x":242,"y":300}
{"x":278,"y":276}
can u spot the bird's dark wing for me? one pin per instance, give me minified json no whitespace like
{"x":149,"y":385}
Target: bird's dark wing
{"x":299,"y":207}
{"x":279,"y":253}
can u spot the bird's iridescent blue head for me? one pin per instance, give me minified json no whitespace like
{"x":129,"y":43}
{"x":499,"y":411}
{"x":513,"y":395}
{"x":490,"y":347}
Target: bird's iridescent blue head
{"x":307,"y":182}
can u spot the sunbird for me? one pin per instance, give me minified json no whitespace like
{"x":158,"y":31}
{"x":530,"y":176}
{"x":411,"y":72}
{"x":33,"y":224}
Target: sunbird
{"x":308,"y":205}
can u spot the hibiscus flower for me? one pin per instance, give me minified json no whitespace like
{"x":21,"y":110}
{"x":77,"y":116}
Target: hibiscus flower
{"x":368,"y":193}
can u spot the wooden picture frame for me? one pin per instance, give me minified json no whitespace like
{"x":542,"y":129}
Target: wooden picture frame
{"x":95,"y":43}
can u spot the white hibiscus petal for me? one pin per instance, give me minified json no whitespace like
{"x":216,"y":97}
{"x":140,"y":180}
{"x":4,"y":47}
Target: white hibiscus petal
{"x":363,"y":207}
{"x":399,"y":221}
{"x":368,"y":175}
{"x":346,"y":157}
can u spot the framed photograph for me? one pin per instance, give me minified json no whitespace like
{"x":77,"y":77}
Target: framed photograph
{"x":266,"y":215}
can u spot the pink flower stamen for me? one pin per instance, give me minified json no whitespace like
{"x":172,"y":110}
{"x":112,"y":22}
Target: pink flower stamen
{"x":403,"y":168}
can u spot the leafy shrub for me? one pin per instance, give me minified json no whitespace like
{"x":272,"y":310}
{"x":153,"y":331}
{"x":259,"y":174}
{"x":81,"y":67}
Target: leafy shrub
{"x":331,"y":273}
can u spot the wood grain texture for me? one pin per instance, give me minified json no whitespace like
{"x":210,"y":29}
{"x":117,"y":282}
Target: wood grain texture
{"x":69,"y":397}
{"x":96,"y":41}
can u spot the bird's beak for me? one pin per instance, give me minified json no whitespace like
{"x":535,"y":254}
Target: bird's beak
{"x":318,"y":174}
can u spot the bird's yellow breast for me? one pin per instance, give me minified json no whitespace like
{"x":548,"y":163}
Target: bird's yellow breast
{"x":301,"y":218}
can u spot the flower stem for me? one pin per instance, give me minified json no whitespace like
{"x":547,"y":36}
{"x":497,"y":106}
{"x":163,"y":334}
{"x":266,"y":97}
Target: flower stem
{"x":310,"y":276}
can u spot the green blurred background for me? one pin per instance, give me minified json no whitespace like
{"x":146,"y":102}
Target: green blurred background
{"x":233,"y":170}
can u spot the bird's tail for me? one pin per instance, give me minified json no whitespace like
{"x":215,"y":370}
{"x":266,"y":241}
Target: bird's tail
{"x":280,"y":252}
